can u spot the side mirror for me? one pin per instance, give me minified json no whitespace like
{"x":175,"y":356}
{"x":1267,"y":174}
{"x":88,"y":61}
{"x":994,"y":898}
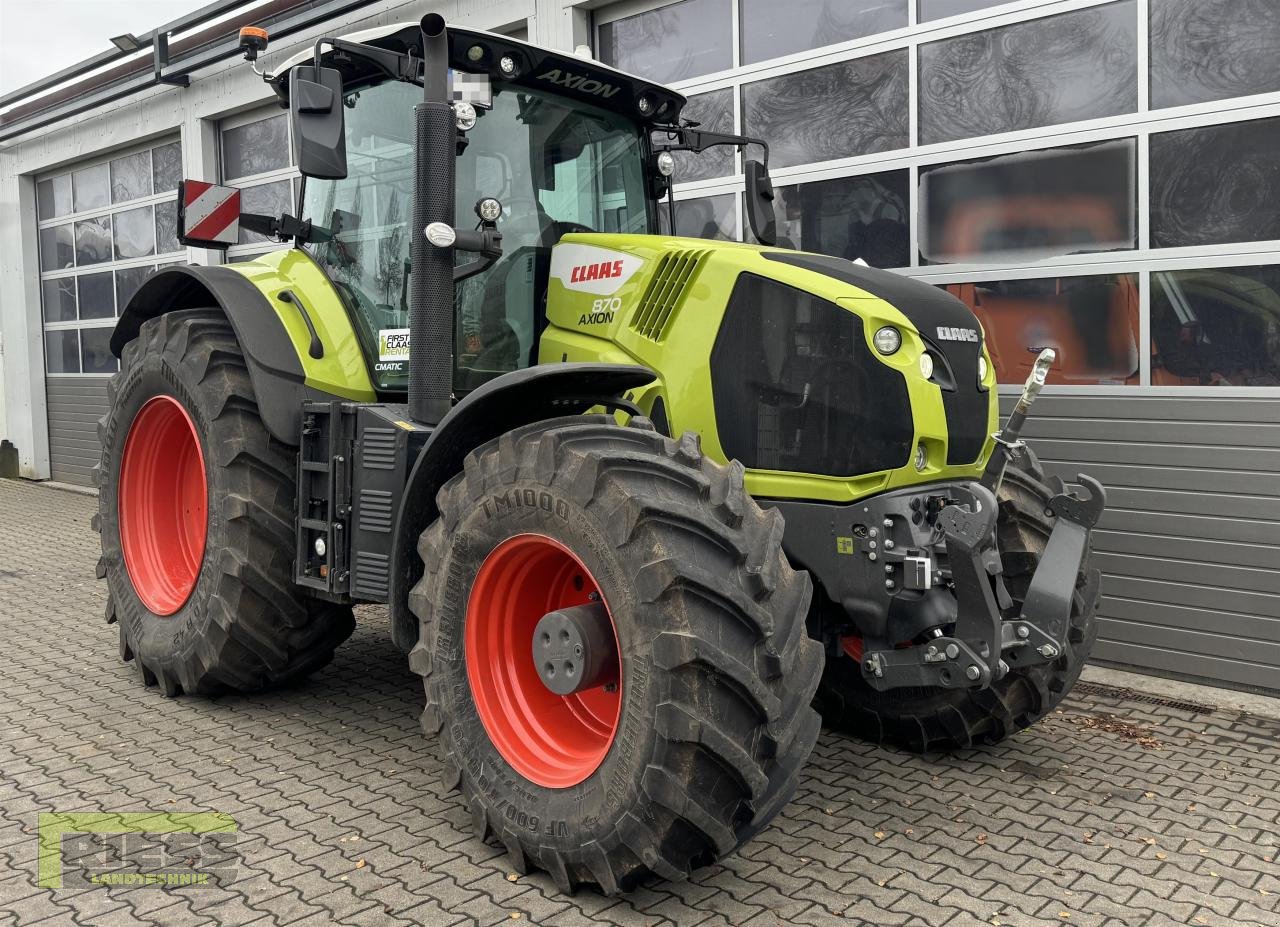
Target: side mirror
{"x":759,"y":203}
{"x":208,"y":215}
{"x":315,"y":113}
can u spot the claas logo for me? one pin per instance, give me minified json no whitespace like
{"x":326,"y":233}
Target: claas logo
{"x":584,"y":272}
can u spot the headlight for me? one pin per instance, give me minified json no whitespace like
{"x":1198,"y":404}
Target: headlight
{"x":666,"y":163}
{"x":887,"y":340}
{"x":926,"y":365}
{"x":982,"y":369}
{"x":922,"y":457}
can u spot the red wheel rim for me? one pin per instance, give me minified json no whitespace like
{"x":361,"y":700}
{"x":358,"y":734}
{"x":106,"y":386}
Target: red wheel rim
{"x":552,"y":740}
{"x":163,"y":505}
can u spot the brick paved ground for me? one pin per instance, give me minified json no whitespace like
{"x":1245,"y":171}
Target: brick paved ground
{"x":1072,"y":822}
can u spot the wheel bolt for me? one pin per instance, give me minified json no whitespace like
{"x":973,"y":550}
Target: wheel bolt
{"x":1023,"y":633}
{"x":973,"y":672}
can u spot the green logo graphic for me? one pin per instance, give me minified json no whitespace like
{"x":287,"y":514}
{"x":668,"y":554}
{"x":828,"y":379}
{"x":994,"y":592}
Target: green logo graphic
{"x":134,"y":857}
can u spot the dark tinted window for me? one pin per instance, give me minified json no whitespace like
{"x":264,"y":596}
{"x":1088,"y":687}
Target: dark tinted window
{"x":1216,"y":327}
{"x":60,"y":299}
{"x":703,"y":217}
{"x":57,"y":248}
{"x":1213,"y":49}
{"x":1030,"y":204}
{"x":97,"y":296}
{"x":771,"y":29}
{"x":850,"y":217}
{"x":255,"y":148}
{"x":851,"y":108}
{"x":1091,"y":322}
{"x":54,"y":196}
{"x":671,"y":43}
{"x":62,"y":351}
{"x":95,"y":351}
{"x":714,"y":112}
{"x":1079,"y":65}
{"x":1216,"y":185}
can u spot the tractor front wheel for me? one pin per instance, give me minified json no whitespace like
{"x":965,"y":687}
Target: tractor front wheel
{"x":613,"y":651}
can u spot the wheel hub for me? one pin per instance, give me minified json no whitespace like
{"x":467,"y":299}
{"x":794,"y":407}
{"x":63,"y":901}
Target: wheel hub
{"x":573,"y":649}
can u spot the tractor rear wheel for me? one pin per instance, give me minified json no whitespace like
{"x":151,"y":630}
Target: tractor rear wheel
{"x":195,"y":509}
{"x":925,"y":719}
{"x":613,"y":650}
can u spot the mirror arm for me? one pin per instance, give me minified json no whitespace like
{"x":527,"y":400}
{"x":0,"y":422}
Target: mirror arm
{"x":486,"y":241}
{"x":392,"y":64}
{"x":283,"y":228}
{"x":698,"y":141}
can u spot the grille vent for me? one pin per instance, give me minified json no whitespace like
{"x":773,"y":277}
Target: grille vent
{"x":375,"y":510}
{"x":371,"y":575}
{"x":379,"y":448}
{"x":666,"y":289}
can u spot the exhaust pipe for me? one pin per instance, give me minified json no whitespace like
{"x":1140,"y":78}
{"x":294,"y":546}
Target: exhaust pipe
{"x":431,"y":284}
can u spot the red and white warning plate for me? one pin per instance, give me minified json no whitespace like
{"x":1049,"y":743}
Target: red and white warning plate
{"x":208,"y":214}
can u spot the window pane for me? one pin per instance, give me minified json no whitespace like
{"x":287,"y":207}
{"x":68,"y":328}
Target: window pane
{"x":1205,"y":50}
{"x":95,"y":351}
{"x":268,"y":199}
{"x":850,"y":217}
{"x":92,"y":187}
{"x":672,"y":43}
{"x":167,"y":227}
{"x":128,"y":280}
{"x":255,"y":148}
{"x":1216,"y":327}
{"x":93,"y":241}
{"x":1091,"y":322}
{"x":714,"y":112}
{"x":771,"y":29}
{"x":131,"y":177}
{"x":1063,"y":68}
{"x":62,"y":352}
{"x":838,"y":111}
{"x":937,"y":9}
{"x":135,"y":233}
{"x":57,"y":248}
{"x":166,"y":162}
{"x":703,"y":217}
{"x":1216,"y":185}
{"x":59,"y":299}
{"x":96,"y":296}
{"x":1030,"y":204}
{"x":54,"y":196}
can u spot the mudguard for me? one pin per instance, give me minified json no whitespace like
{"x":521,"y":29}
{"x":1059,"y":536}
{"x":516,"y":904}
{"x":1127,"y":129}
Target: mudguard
{"x":511,"y":400}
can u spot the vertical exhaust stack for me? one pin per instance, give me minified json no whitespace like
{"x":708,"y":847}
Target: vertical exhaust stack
{"x":431,"y":286}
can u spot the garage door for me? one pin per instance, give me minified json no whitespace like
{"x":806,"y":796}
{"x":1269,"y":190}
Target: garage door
{"x":105,"y":224}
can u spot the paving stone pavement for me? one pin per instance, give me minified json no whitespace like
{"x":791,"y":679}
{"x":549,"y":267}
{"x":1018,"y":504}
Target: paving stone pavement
{"x":343,"y":821}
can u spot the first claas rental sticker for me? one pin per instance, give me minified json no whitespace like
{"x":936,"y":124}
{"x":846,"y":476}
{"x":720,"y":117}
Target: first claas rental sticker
{"x":393,"y":344}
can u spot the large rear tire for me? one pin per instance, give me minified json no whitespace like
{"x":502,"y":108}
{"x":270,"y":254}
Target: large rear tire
{"x":702,"y":740}
{"x":195,"y":509}
{"x":925,"y":719}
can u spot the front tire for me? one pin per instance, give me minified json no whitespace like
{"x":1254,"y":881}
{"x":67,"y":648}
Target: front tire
{"x":195,"y":509}
{"x":702,"y":740}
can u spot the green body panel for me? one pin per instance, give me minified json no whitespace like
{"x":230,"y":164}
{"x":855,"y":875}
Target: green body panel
{"x":342,"y":371}
{"x":588,"y":322}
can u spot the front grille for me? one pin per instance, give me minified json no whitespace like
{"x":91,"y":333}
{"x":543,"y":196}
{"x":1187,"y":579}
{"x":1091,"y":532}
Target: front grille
{"x":666,"y":289}
{"x":797,"y":389}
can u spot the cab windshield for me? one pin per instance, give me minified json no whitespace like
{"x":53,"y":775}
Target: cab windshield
{"x":557,"y":167}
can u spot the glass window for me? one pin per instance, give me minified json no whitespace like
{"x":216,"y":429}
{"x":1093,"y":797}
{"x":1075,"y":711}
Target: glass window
{"x":714,"y":113}
{"x":96,"y":294}
{"x":131,"y":177}
{"x":1030,"y":204}
{"x":937,"y":9}
{"x":57,"y":248}
{"x":128,"y":279}
{"x":167,"y":227}
{"x":1063,"y":68}
{"x":1091,"y":322}
{"x":95,"y":351}
{"x":1205,"y":50}
{"x":54,"y":196}
{"x":771,"y":29}
{"x":59,"y":299}
{"x":851,"y":108}
{"x":704,"y":217}
{"x":1216,"y":327}
{"x":255,"y":148}
{"x":1216,"y":184}
{"x":93,"y":241}
{"x":267,"y":199}
{"x":62,"y":351}
{"x":135,"y":233}
{"x":92,"y":187}
{"x":850,"y":217}
{"x":672,"y":43}
{"x":166,"y":162}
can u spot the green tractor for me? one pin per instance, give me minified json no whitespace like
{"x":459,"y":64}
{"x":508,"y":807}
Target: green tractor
{"x":641,"y":507}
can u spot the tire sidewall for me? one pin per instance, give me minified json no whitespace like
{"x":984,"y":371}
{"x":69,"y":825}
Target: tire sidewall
{"x":591,"y":809}
{"x":160,"y":640}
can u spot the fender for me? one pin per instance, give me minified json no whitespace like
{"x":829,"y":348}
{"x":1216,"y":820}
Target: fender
{"x":274,"y":368}
{"x":507,"y":402}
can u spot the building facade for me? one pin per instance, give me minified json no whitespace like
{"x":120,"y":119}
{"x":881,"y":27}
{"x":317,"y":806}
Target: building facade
{"x":1099,"y":176}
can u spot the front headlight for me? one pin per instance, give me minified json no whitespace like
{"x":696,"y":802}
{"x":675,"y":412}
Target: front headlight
{"x":926,"y":365}
{"x":982,"y":370}
{"x":887,"y":340}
